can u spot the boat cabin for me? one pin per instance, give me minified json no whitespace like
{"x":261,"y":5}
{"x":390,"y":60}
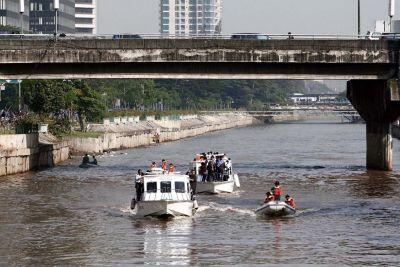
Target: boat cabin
{"x":173,"y":187}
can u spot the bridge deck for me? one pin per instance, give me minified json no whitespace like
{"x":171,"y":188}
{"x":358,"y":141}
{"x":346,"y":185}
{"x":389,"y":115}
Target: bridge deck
{"x":198,"y":58}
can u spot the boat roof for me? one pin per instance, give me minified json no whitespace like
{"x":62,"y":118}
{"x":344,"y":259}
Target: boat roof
{"x":172,"y":177}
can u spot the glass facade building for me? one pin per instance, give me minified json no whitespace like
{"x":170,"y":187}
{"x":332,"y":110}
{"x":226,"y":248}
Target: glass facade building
{"x":42,"y":16}
{"x":190,"y":17}
{"x":85,"y":16}
{"x":10,"y":14}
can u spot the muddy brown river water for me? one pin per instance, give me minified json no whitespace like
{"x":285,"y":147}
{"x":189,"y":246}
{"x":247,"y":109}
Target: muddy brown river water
{"x":346,"y":215}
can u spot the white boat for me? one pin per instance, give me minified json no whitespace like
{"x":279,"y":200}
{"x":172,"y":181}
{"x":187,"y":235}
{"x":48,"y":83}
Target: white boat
{"x":224,"y":184}
{"x":165,"y":195}
{"x":275,"y":208}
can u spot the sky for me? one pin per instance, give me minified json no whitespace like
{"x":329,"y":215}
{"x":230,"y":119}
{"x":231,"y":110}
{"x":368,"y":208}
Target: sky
{"x":262,"y":16}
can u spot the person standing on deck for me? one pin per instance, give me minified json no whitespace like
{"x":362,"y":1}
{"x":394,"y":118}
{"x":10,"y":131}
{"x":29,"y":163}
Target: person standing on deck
{"x":277,"y":191}
{"x":171,"y":168}
{"x":139,"y":185}
{"x":164,"y":165}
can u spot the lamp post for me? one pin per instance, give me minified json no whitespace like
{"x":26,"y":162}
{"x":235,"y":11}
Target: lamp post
{"x":21,"y":12}
{"x":391,"y":13}
{"x":359,"y":18}
{"x":56,"y":8}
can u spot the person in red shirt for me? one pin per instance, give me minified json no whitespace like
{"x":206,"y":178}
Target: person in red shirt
{"x":277,"y":191}
{"x":171,"y":168}
{"x":164,"y":165}
{"x":290,"y":201}
{"x":269,"y":197}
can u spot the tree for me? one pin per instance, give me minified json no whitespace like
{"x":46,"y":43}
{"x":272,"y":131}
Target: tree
{"x":88,"y":103}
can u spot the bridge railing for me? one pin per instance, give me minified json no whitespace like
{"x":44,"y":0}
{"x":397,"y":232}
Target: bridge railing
{"x":239,"y":36}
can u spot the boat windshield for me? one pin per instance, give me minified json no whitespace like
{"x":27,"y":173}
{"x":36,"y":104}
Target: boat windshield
{"x":179,"y":187}
{"x":151,"y":187}
{"x":165,"y":187}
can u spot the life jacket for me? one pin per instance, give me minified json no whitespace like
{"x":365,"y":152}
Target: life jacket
{"x":164,"y":165}
{"x":277,"y":191}
{"x":171,"y":169}
{"x":269,"y":199}
{"x":291,"y":203}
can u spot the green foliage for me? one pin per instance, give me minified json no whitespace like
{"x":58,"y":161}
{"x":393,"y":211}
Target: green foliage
{"x":10,"y":29}
{"x":60,"y":126}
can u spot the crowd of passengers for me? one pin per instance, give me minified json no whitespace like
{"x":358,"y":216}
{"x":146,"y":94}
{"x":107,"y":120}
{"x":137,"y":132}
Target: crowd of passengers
{"x":214,"y":167}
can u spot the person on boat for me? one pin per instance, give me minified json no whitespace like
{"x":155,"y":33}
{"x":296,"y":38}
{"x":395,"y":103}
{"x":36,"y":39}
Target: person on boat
{"x":277,"y":191}
{"x":210,"y":171}
{"x":94,"y":162}
{"x":86,"y":159}
{"x":193,"y":181}
{"x":153,"y":165}
{"x":171,"y":168}
{"x":290,"y":201}
{"x":139,"y":185}
{"x":228,"y":166}
{"x":164,"y":165}
{"x":203,"y":172}
{"x":219,"y":165}
{"x":269,"y":197}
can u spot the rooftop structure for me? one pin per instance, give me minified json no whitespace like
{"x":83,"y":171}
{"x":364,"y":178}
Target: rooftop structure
{"x":86,"y":16}
{"x":190,"y":17}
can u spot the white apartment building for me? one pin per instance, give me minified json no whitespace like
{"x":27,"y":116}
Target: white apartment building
{"x":190,"y":17}
{"x":86,"y":16}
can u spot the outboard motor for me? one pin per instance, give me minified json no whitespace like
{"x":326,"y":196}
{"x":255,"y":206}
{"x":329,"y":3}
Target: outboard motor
{"x":133,"y":203}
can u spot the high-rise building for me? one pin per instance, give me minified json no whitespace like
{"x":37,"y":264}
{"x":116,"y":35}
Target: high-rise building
{"x":85,"y":16}
{"x":42,"y":16}
{"x":10,"y":14}
{"x":190,"y":17}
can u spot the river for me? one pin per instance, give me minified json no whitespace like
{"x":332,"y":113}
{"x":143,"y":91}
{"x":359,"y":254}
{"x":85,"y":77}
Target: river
{"x":346,"y":215}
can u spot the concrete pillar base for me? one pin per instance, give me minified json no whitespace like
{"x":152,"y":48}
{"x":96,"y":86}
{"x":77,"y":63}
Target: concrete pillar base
{"x":377,"y":101}
{"x":379,"y":146}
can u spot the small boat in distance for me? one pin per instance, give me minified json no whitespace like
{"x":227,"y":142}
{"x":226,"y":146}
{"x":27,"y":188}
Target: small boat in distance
{"x":165,"y":195}
{"x":215,"y":179}
{"x":275,"y":208}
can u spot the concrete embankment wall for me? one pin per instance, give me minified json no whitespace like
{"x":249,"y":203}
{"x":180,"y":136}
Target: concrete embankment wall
{"x":294,"y":117}
{"x":116,"y":137}
{"x":24,"y":152}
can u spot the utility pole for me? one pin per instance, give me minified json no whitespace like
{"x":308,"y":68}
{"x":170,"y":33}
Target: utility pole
{"x":21,"y":11}
{"x":56,"y":8}
{"x":391,"y":13}
{"x":359,"y":18}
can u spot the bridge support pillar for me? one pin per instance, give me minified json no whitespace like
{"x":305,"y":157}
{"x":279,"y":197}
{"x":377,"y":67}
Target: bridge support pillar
{"x":378,"y":103}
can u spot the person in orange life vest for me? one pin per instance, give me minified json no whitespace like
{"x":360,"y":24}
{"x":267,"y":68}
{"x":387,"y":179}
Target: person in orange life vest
{"x":153,"y":165}
{"x":171,"y":168}
{"x":277,"y":191}
{"x":269,"y":197}
{"x":164,"y":165}
{"x":290,"y":201}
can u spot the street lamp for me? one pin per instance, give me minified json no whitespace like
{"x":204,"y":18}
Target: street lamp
{"x":21,"y":11}
{"x":391,"y":13}
{"x":56,"y":8}
{"x":359,"y":18}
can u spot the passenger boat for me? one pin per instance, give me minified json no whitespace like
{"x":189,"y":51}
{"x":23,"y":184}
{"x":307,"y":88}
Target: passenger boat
{"x":275,"y":208}
{"x":165,"y":195}
{"x":225,"y":183}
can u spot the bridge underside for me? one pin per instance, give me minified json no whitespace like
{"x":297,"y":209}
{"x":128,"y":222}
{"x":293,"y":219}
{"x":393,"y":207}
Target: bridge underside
{"x":199,"y":70}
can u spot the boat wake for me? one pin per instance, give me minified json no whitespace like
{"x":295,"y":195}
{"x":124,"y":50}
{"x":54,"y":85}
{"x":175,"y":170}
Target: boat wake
{"x":228,"y":208}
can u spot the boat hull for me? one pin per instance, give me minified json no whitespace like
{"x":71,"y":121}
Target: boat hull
{"x":165,"y":208}
{"x":275,"y":208}
{"x":215,"y":187}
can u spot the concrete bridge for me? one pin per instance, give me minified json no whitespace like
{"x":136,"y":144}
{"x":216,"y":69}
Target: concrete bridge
{"x":371,"y":66}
